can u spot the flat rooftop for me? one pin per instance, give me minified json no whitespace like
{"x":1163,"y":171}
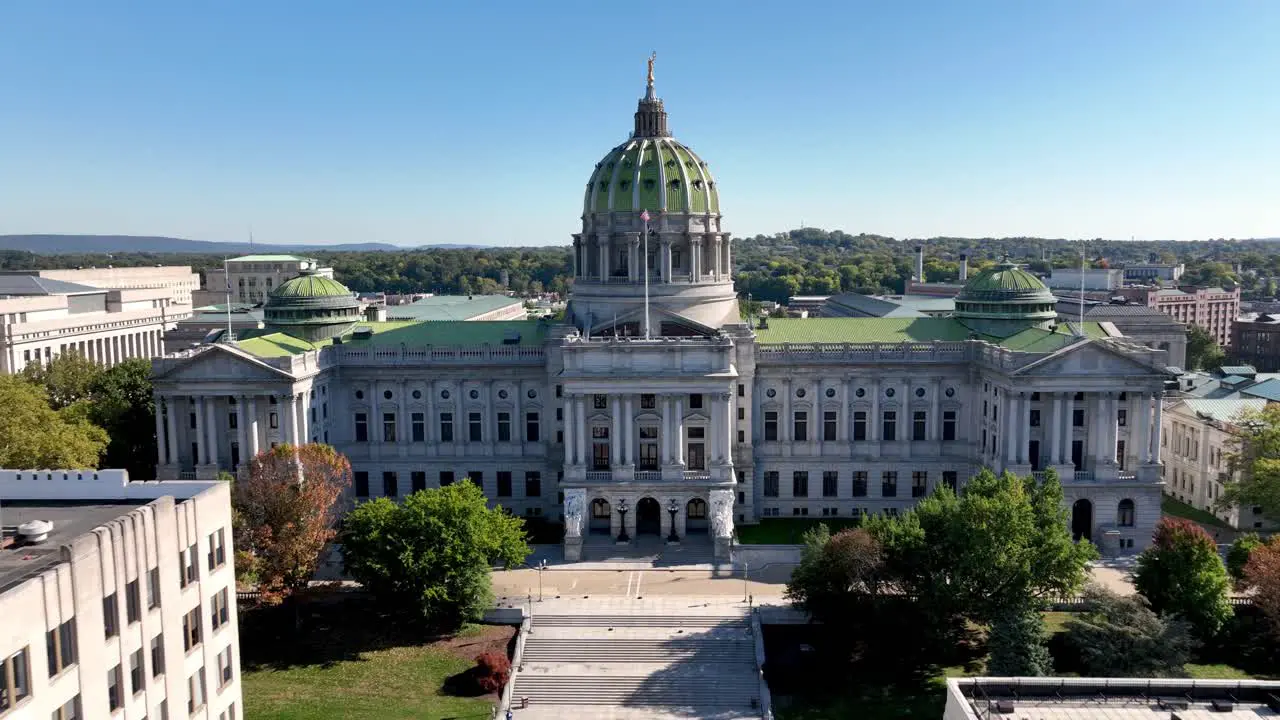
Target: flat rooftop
{"x":70,"y":519}
{"x":450,"y":307}
{"x":1113,"y":699}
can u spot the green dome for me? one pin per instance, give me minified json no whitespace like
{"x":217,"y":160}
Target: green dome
{"x":1006,"y":292}
{"x":651,"y":173}
{"x":310,"y":286}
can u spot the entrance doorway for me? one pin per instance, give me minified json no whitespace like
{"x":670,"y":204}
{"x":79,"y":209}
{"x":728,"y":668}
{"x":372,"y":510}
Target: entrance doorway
{"x":601,"y":515}
{"x":695,"y":518}
{"x":1033,"y":454}
{"x":648,"y":517}
{"x":1082,"y":520}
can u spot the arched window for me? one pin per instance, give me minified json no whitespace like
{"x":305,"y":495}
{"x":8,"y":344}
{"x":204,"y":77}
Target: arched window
{"x":1124,"y":514}
{"x":696,"y":509}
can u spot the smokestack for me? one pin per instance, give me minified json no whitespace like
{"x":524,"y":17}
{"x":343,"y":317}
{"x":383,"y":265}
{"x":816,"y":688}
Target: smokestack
{"x":964,"y":267}
{"x":920,"y":263}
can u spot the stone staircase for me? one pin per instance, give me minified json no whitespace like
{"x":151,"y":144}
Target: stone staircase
{"x":695,"y":552}
{"x":638,"y":666}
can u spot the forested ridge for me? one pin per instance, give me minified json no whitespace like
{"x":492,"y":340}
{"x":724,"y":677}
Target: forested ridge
{"x":806,"y":261}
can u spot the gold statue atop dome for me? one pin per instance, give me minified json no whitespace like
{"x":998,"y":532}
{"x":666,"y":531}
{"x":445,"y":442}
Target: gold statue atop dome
{"x":652,"y":56}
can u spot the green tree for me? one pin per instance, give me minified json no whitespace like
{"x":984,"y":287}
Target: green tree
{"x":1238,"y":556}
{"x":284,"y":515}
{"x":34,"y":435}
{"x":67,"y":379}
{"x":121,"y":403}
{"x":1257,"y":456}
{"x":1182,"y":574}
{"x":1018,"y":644}
{"x":1121,"y":637}
{"x":1203,"y":351}
{"x":836,"y":573}
{"x":430,"y":556}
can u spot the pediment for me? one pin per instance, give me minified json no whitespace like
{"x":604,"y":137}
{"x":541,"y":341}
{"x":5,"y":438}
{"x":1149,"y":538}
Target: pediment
{"x":217,"y":363}
{"x":1089,"y":359}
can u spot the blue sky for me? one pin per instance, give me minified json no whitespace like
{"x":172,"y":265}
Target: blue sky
{"x":420,"y":122}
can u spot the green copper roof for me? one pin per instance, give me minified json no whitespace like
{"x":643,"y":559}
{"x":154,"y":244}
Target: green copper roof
{"x":270,"y":258}
{"x":651,"y":173}
{"x":407,"y":333}
{"x":309,"y":286}
{"x":921,"y":329}
{"x":1005,"y":279}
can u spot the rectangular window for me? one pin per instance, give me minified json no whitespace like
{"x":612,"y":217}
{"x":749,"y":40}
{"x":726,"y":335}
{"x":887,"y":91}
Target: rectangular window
{"x":191,"y":564}
{"x":890,"y":426}
{"x":361,"y":479}
{"x":232,"y":421}
{"x":362,"y":427}
{"x":71,"y":710}
{"x":137,"y":671}
{"x":742,"y":390}
{"x":742,"y":413}
{"x":829,"y":426}
{"x":476,"y":477}
{"x":531,"y":427}
{"x":1077,"y":417}
{"x":504,"y":427}
{"x":1035,"y":418}
{"x":948,"y":425}
{"x":60,"y":644}
{"x":132,"y":602}
{"x":111,"y":615}
{"x":474,"y":427}
{"x":115,"y":693}
{"x":446,"y":427}
{"x":388,"y":427}
{"x":419,"y":424}
{"x":771,"y":483}
{"x":191,"y":629}
{"x":695,"y":402}
{"x":504,"y":483}
{"x":830,"y":483}
{"x":800,"y":484}
{"x":648,"y":401}
{"x":446,"y":478}
{"x":949,"y":479}
{"x":417,"y":480}
{"x":801,"y":427}
{"x":889,"y":484}
{"x":919,"y":484}
{"x":157,"y":655}
{"x":1122,"y":417}
{"x":273,"y":420}
{"x":533,"y":484}
{"x":217,"y":549}
{"x":195,"y":691}
{"x":390,"y":484}
{"x":193,"y":421}
{"x":860,"y":483}
{"x":771,"y":426}
{"x":224,"y":667}
{"x":153,"y":588}
{"x":859,"y":425}
{"x":15,"y":679}
{"x":919,"y":425}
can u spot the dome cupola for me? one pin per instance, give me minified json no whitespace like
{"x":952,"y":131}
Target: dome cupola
{"x":312,"y":307}
{"x":1005,"y":294}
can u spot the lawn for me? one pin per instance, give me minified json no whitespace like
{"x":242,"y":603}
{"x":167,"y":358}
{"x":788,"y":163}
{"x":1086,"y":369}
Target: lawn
{"x":1177,"y":508}
{"x":787,"y":531}
{"x":331,"y":667}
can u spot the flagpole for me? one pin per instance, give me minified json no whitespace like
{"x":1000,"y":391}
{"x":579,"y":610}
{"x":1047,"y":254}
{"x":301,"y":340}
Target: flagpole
{"x":227,"y":278}
{"x":644,"y":266}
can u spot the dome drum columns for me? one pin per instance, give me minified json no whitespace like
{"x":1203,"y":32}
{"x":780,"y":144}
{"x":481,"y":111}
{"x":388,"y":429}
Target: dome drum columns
{"x":676,"y":257}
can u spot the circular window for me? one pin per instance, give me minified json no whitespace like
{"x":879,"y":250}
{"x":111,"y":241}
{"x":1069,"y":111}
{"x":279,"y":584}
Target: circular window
{"x":417,"y":394}
{"x":533,"y":394}
{"x":502,"y":394}
{"x":951,"y":392}
{"x":800,"y":392}
{"x":919,"y":392}
{"x":386,"y":394}
{"x":860,"y":392}
{"x":359,"y":394}
{"x":831,"y":392}
{"x":888,"y":392}
{"x":444,"y":394}
{"x":475,"y":394}
{"x":770,"y":392}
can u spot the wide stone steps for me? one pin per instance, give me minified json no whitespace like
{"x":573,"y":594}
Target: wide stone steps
{"x":656,"y":621}
{"x":699,"y":650}
{"x":674,"y":690}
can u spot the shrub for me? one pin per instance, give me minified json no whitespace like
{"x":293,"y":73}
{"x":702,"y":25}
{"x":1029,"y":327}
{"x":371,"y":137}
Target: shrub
{"x":1121,"y":637}
{"x":1182,"y":574}
{"x":492,"y":671}
{"x":1238,"y":556}
{"x":1017,"y":644}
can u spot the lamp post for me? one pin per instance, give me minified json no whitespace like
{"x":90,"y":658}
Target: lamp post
{"x":540,"y":568}
{"x":622,"y":513}
{"x":673,"y":509}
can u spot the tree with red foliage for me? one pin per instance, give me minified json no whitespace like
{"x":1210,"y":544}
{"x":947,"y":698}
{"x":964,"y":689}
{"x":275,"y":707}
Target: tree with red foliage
{"x":1182,"y":574}
{"x":492,"y":671}
{"x":285,"y":514}
{"x":1263,"y":574}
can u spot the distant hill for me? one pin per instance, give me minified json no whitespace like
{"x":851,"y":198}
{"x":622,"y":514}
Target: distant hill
{"x":87,"y":244}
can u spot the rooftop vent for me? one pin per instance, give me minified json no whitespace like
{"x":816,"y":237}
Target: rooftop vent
{"x":363,"y":332}
{"x":34,"y":531}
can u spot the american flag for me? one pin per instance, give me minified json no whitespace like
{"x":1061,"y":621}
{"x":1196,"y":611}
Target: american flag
{"x":645,"y":216}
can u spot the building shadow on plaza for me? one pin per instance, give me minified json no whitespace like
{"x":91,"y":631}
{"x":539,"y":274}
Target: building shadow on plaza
{"x":712,"y":674}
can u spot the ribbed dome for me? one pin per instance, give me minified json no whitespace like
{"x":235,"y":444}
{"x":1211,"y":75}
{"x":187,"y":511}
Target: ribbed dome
{"x":312,"y":307}
{"x":1006,"y":292}
{"x":307,"y":286}
{"x":652,"y":173}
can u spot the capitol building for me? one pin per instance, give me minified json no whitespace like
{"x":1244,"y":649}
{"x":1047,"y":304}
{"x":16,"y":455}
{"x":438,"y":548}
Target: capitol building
{"x":656,"y":410}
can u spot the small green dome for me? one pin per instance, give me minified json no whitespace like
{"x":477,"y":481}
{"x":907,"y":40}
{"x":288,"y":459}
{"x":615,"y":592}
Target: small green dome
{"x":1006,"y":292}
{"x":657,"y":174}
{"x":310,"y":286}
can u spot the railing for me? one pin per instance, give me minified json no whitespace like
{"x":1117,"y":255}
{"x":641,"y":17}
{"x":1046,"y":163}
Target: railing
{"x":697,"y":474}
{"x":1125,"y":475}
{"x":1083,"y":476}
{"x":599,"y":475}
{"x":648,"y":476}
{"x":1039,"y":475}
{"x":499,"y":354}
{"x":187,"y":475}
{"x":940,"y":351}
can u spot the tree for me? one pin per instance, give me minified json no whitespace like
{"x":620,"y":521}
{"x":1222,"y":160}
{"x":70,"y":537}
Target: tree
{"x":836,"y":573}
{"x":1182,"y":574}
{"x":1238,"y":556}
{"x":121,"y":403}
{"x":1121,"y":637}
{"x":34,"y":435}
{"x":67,"y":379}
{"x":285,"y":514}
{"x":1203,"y":351}
{"x":1018,"y":644}
{"x":1263,"y":574}
{"x":1257,"y":457}
{"x":429,"y":557}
